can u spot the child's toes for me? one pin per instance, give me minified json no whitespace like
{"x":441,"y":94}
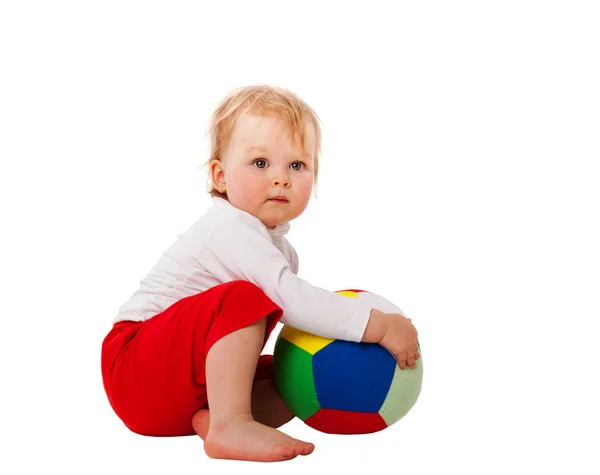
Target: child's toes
{"x":307,"y":449}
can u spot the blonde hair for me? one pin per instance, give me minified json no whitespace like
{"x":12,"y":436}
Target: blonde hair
{"x":261,"y":100}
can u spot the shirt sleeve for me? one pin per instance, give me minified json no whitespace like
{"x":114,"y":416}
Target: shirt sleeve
{"x":293,"y":258}
{"x":239,"y":250}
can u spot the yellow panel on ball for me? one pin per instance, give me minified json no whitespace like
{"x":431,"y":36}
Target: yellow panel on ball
{"x":307,"y":341}
{"x":348,"y":293}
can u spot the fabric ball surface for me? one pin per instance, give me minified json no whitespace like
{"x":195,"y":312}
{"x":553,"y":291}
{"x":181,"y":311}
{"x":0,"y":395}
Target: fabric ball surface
{"x":342,"y":387}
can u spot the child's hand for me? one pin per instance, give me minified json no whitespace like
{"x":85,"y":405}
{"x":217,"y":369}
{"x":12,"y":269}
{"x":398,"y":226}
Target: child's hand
{"x":400,"y":339}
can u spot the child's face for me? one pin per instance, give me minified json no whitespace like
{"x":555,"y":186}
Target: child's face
{"x":261,"y":162}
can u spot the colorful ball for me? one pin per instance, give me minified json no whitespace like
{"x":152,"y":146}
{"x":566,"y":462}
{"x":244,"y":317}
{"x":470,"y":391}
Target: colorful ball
{"x":342,"y":387}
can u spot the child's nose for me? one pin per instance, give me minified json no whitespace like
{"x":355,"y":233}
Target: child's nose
{"x":281,"y":180}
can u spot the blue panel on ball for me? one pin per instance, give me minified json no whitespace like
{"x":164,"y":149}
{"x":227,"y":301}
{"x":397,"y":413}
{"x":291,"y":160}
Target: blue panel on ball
{"x":353,"y":376}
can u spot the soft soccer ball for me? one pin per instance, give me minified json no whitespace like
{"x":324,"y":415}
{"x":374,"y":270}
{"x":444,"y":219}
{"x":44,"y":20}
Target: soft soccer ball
{"x":342,"y":387}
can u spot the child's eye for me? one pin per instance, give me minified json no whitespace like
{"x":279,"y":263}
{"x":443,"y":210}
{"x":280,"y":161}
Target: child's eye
{"x":259,"y":160}
{"x":301,"y":163}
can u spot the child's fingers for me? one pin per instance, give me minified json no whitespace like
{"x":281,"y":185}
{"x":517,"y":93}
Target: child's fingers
{"x":401,"y":360}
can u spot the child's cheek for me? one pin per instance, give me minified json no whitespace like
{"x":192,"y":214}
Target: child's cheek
{"x":253,"y":190}
{"x":305,"y":188}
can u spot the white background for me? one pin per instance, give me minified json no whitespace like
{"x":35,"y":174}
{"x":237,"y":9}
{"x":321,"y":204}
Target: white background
{"x":459,"y":179}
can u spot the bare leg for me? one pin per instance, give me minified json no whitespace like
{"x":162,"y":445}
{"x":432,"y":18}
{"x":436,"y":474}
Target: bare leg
{"x":267,"y":408}
{"x":232,"y":431}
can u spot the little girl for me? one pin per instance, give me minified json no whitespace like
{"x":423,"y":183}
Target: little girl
{"x":184,"y":354}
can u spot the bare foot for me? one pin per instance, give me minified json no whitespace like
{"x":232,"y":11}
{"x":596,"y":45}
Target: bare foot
{"x":267,"y":408}
{"x":246,"y":439}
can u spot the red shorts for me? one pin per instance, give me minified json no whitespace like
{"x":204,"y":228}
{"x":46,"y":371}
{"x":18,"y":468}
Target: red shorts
{"x":153,"y":371}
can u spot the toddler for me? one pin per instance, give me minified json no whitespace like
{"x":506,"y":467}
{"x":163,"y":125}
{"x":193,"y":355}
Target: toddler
{"x":183,"y":356}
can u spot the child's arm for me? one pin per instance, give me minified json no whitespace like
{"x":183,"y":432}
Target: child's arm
{"x":241,"y":249}
{"x":295,"y":263}
{"x":376,"y":327}
{"x":396,"y":334}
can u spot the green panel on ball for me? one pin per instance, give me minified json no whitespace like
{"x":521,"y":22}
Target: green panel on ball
{"x":293,"y":378}
{"x":403,"y":394}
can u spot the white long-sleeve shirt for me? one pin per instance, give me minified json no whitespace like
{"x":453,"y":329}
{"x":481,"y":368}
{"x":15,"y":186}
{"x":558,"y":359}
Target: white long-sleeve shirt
{"x":227,"y":244}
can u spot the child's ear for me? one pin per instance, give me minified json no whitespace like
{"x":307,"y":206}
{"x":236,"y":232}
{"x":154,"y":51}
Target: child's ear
{"x":218,"y":175}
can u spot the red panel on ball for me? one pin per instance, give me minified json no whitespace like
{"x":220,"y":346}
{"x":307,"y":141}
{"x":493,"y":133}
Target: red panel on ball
{"x":333,"y":421}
